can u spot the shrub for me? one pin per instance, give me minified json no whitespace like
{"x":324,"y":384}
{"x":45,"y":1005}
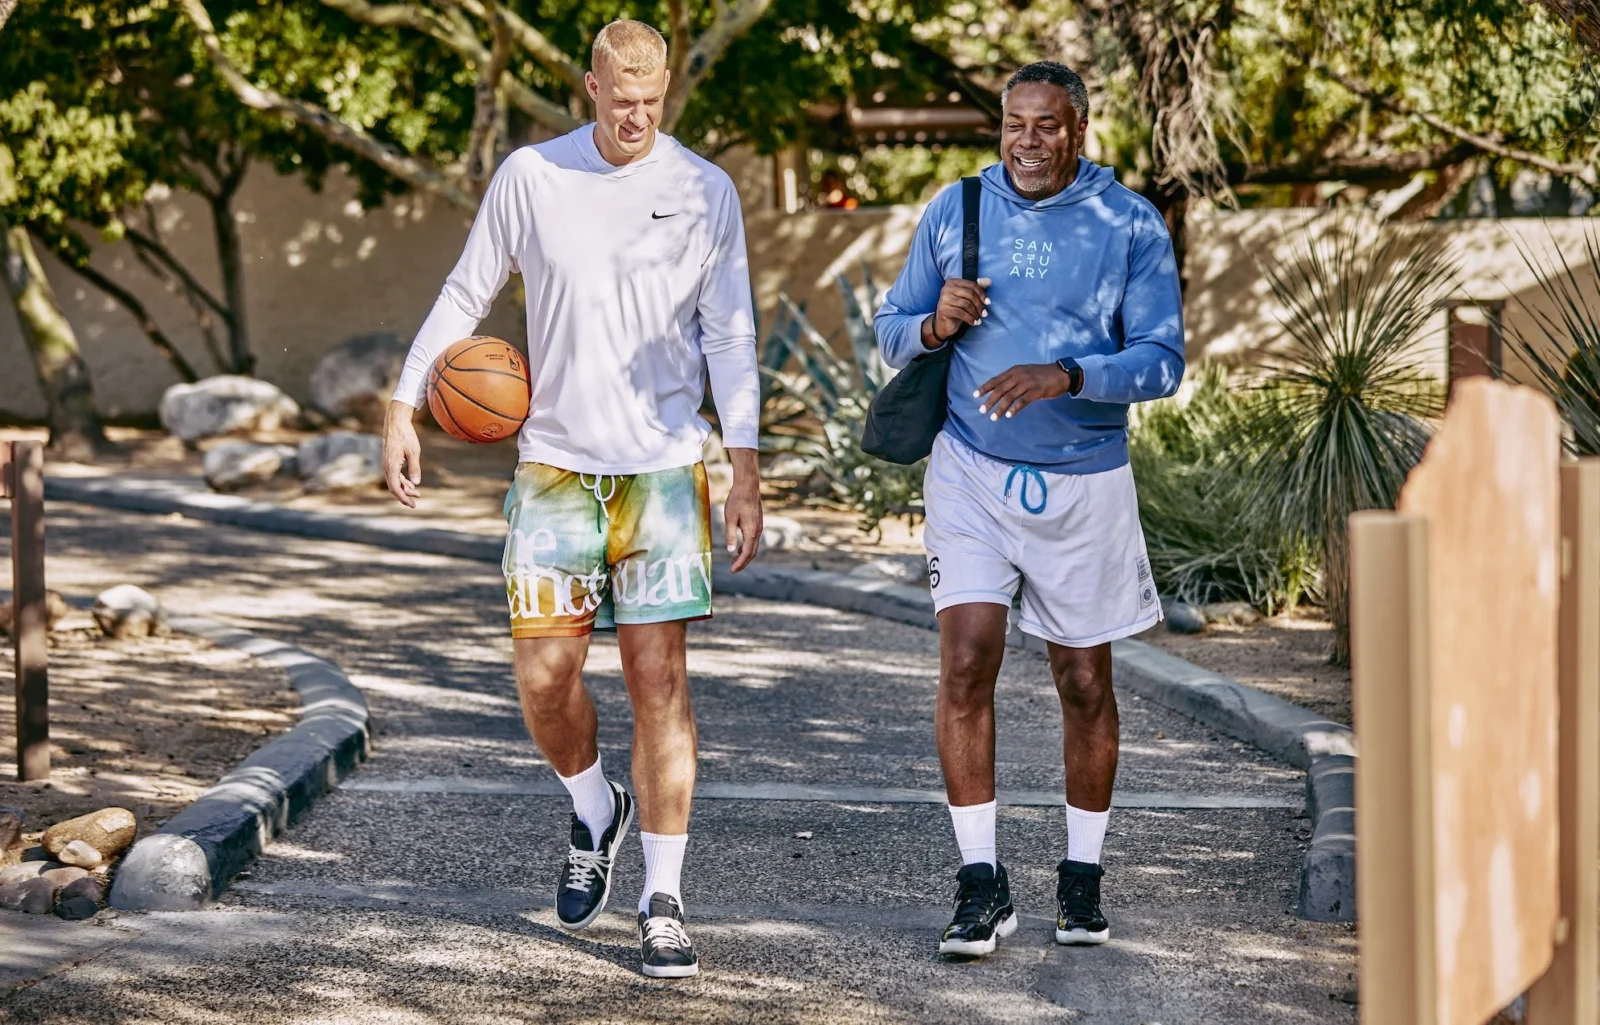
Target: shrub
{"x":1563,"y":351}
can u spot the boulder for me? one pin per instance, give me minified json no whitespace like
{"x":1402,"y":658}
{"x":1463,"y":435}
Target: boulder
{"x":127,"y":611}
{"x":1183,"y":618}
{"x":1233,"y":613}
{"x":10,"y":875}
{"x":77,"y":909}
{"x":357,"y":378}
{"x":80,"y":855}
{"x":10,"y":828}
{"x":55,"y":610}
{"x":32,"y":896}
{"x":225,"y":405}
{"x":902,"y":569}
{"x":89,"y":886}
{"x":61,"y":875}
{"x":237,"y":464}
{"x":341,"y":460}
{"x":109,"y":831}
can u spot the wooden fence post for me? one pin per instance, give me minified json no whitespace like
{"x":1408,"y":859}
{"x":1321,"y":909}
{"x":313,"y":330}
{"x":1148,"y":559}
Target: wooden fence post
{"x":24,"y":485}
{"x":1566,"y":995}
{"x":1394,"y":785}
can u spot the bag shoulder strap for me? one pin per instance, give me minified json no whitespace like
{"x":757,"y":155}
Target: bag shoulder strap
{"x":971,"y":190}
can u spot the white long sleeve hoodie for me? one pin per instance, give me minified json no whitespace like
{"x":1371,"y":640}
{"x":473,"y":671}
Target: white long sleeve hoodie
{"x":637,"y":286}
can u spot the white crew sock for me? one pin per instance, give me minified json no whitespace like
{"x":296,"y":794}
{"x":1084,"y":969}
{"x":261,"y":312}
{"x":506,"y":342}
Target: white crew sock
{"x":1086,"y":833}
{"x":975,"y":833}
{"x":663,"y":866}
{"x":592,"y":799}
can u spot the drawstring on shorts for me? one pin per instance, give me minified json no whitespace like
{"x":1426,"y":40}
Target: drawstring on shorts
{"x":602,"y":515}
{"x":1028,"y":474}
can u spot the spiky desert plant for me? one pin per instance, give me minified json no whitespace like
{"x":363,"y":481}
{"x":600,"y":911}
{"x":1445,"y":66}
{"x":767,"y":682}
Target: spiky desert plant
{"x":1562,"y":351}
{"x":1345,"y":411}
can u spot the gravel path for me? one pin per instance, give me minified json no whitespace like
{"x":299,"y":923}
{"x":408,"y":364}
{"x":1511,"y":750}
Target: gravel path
{"x":430,"y":906}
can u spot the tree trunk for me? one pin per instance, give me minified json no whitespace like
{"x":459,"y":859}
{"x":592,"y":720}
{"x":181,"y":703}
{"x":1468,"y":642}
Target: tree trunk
{"x":75,"y":428}
{"x":1336,"y":590}
{"x":230,"y":257}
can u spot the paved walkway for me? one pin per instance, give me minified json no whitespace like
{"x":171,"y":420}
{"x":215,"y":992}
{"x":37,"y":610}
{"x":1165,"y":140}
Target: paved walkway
{"x":420,"y":891}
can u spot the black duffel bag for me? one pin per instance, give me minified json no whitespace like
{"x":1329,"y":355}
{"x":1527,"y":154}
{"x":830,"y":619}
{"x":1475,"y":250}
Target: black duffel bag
{"x":908,"y":414}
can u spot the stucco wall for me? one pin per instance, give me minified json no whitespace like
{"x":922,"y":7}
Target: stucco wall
{"x":319,"y":269}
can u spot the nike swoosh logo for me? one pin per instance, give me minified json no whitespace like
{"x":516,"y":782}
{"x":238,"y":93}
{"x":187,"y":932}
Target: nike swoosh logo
{"x":657,"y":217}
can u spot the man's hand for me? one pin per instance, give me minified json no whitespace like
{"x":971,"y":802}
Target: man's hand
{"x":1008,"y":392}
{"x":402,"y":454}
{"x":960,"y":302}
{"x":742,"y":511}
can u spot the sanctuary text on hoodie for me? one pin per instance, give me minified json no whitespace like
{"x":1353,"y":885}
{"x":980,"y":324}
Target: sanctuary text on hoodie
{"x":1087,"y":273}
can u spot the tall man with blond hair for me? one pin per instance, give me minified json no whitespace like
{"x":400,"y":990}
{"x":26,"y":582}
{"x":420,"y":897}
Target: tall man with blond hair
{"x":632,"y":254}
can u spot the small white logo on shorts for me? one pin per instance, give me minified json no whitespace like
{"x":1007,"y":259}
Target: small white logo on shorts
{"x":1142,"y":564}
{"x":1147,"y":595}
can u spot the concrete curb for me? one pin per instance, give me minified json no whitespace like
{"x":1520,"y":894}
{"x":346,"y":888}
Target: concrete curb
{"x":1324,"y":749}
{"x":190,"y":860}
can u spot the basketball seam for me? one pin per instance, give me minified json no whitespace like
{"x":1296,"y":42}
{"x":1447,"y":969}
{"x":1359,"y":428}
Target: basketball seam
{"x":486,"y":370}
{"x":475,"y":402}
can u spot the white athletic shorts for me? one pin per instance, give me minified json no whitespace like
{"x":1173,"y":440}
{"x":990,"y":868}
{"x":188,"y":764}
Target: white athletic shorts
{"x":1072,"y":541}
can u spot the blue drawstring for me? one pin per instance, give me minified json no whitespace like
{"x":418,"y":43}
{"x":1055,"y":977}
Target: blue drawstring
{"x":1028,"y":474}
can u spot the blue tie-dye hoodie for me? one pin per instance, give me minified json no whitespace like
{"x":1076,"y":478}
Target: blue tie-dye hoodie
{"x":1087,"y":273}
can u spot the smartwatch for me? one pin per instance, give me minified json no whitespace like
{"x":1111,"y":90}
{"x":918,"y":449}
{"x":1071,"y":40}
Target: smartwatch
{"x":1074,"y":374}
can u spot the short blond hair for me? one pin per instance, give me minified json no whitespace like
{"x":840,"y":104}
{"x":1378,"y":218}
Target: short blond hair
{"x":630,"y":46}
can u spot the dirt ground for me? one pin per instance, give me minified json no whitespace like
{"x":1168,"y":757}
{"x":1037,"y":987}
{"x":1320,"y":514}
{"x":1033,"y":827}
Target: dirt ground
{"x":145,"y":724}
{"x":1286,"y":656}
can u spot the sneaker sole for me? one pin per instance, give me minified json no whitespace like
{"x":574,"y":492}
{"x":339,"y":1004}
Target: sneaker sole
{"x":979,"y":948}
{"x":588,"y":920}
{"x":1081,"y":937}
{"x":675,"y":971}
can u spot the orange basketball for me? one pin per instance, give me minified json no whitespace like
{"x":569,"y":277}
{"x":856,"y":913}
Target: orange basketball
{"x":478,"y":389}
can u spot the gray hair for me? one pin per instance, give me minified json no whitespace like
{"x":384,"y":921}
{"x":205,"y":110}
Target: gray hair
{"x":1058,"y":75}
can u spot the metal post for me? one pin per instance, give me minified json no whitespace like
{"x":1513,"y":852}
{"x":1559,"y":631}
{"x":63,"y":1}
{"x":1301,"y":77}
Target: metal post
{"x":1566,"y":995}
{"x":28,"y":626}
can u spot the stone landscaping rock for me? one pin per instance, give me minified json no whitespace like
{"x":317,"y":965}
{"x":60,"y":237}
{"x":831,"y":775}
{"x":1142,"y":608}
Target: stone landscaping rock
{"x":238,"y":464}
{"x":357,"y":378}
{"x":109,"y":831}
{"x":127,"y":611}
{"x":81,"y":855}
{"x":61,"y":875}
{"x":791,"y":467}
{"x":777,"y":531}
{"x":225,"y":405}
{"x":1233,"y":613}
{"x":1183,"y":618}
{"x":32,"y":897}
{"x":13,"y":874}
{"x":902,"y":569}
{"x":77,"y":909}
{"x":10,"y":828}
{"x":341,"y":460}
{"x":91,"y":887}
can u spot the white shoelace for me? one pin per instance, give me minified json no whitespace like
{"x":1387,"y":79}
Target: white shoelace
{"x":664,"y":930}
{"x":582,"y":866}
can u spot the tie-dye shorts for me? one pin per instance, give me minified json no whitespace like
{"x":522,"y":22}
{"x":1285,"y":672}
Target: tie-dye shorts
{"x":588,"y":551}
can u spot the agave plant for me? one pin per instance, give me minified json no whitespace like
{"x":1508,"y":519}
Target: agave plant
{"x":1341,"y":420}
{"x":1562,"y":353}
{"x":1191,"y":459}
{"x":817,"y":409}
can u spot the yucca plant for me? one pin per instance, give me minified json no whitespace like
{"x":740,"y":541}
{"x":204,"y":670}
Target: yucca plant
{"x":1191,"y":459}
{"x":1562,"y":352}
{"x":1344,"y":414}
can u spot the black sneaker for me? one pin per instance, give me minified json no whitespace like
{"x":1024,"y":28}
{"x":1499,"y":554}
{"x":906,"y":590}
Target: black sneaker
{"x":983,"y":911}
{"x":668,"y":954}
{"x":1078,"y":918}
{"x":586,"y":875}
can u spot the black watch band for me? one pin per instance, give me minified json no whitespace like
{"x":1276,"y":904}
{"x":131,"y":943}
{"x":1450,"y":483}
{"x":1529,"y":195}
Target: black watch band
{"x":1074,"y":374}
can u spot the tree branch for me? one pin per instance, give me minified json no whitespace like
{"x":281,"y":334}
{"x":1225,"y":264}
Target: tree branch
{"x":486,"y":104}
{"x":1582,"y":172}
{"x":680,"y":38}
{"x":402,"y":165}
{"x":1581,"y":16}
{"x":730,"y":24}
{"x":456,"y":34}
{"x":141,"y":317}
{"x":528,"y":38}
{"x":6,"y":7}
{"x":1366,"y":170}
{"x":158,"y":251}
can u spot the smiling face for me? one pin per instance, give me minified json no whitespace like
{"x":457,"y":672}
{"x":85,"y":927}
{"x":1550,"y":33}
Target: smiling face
{"x":1040,"y":136}
{"x":627,"y":109}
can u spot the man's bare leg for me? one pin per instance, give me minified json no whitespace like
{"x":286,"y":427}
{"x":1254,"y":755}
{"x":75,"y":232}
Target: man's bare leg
{"x":555,"y":705}
{"x":1089,"y":741}
{"x":665,"y":741}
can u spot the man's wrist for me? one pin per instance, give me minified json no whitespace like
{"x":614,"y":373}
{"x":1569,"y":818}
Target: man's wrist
{"x":930,"y":334}
{"x":1074,"y":372}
